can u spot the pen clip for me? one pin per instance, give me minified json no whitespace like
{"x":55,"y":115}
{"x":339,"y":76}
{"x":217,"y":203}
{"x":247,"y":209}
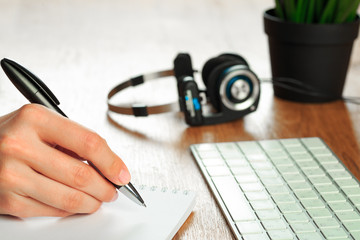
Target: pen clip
{"x":31,"y":77}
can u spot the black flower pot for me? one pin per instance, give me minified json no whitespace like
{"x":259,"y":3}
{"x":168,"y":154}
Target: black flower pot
{"x":309,"y":62}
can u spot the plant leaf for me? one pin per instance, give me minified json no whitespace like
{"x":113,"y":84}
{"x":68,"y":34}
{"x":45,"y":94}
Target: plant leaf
{"x":300,"y":11}
{"x":346,"y":11}
{"x":279,"y":9}
{"x":328,"y":14}
{"x":311,"y":11}
{"x":319,"y":7}
{"x":290,"y":10}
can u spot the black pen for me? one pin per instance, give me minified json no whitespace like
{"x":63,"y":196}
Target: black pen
{"x":37,"y":92}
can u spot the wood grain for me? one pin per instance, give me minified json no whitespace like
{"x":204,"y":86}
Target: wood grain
{"x":83,"y":48}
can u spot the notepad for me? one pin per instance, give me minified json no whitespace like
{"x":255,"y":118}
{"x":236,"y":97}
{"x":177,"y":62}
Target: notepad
{"x":166,"y":211}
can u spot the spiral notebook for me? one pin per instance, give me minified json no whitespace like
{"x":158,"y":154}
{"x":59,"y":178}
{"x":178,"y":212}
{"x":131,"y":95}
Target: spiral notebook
{"x":166,"y":211}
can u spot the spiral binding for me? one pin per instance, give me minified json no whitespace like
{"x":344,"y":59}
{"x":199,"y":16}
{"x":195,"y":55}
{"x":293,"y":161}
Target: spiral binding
{"x":162,"y":189}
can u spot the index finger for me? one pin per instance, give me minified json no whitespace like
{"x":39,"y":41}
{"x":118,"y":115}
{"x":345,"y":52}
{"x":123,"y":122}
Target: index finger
{"x":56,"y":129}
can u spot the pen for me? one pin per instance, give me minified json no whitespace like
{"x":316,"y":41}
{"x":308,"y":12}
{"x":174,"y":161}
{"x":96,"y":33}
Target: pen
{"x":37,"y":92}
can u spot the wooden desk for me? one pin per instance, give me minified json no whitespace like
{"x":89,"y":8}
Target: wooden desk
{"x":83,"y":48}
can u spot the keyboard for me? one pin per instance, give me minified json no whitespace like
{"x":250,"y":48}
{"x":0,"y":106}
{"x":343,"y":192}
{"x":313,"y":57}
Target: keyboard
{"x":282,"y":189}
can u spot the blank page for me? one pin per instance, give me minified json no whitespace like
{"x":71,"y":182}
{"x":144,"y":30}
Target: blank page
{"x":166,"y":211}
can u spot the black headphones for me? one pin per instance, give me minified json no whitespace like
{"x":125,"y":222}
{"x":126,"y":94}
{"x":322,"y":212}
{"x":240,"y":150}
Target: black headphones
{"x":231,"y":87}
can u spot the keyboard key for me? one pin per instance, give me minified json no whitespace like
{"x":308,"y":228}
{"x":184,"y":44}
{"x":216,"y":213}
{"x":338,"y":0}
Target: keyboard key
{"x":347,"y":183}
{"x":213,"y":162}
{"x":319,"y":213}
{"x":340,"y":206}
{"x":300,"y":185}
{"x":283,"y":198}
{"x":310,"y":236}
{"x":340,"y":175}
{"x":268,"y":214}
{"x":293,"y":177}
{"x":240,"y":171}
{"x":272,"y":181}
{"x":305,"y":194}
{"x":249,"y":178}
{"x":278,"y":189}
{"x":356,"y":235}
{"x":278,"y":154}
{"x":327,"y":159}
{"x":355,"y":200}
{"x":326,"y":222}
{"x":288,"y":168}
{"x":261,"y":165}
{"x":209,"y":154}
{"x":262,"y":205}
{"x":313,"y":172}
{"x":205,"y":147}
{"x":271,"y":145}
{"x":302,"y":227}
{"x":333,"y":166}
{"x":254,"y":196}
{"x":308,"y":164}
{"x":284,"y":234}
{"x":312,"y":143}
{"x":289,"y":207}
{"x":255,"y":236}
{"x":334,"y":233}
{"x":237,"y":162}
{"x":352,"y":226}
{"x":321,"y":152}
{"x":282,"y":161}
{"x":312,"y":203}
{"x":249,"y":227}
{"x":252,"y":187}
{"x":227,"y":147}
{"x":330,"y":188}
{"x":296,"y":217}
{"x":320,"y":180}
{"x":348,"y":216}
{"x":352,"y":191}
{"x":233,"y":198}
{"x":291,"y":142}
{"x":333,"y":197}
{"x":274,"y":224}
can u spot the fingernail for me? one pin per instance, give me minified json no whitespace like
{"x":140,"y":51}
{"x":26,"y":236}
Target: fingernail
{"x":116,"y":195}
{"x":124,"y":177}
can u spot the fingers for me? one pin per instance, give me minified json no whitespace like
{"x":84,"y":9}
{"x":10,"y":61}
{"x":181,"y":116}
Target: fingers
{"x":71,"y":172}
{"x":21,"y":180}
{"x":87,"y":144}
{"x":23,"y":207}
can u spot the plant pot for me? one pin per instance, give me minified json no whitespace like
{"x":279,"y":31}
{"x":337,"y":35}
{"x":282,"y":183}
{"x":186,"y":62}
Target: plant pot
{"x":309,"y":62}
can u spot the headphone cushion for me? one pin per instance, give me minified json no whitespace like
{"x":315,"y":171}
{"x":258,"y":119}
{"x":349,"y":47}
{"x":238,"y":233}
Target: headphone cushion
{"x":214,"y":62}
{"x":235,"y":57}
{"x":214,"y":81}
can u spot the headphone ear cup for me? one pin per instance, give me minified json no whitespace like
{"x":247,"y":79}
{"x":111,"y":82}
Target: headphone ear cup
{"x":235,"y":57}
{"x":208,"y":67}
{"x":214,"y":62}
{"x":213,"y":83}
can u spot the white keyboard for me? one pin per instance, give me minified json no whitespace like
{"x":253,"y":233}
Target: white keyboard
{"x":282,"y":189}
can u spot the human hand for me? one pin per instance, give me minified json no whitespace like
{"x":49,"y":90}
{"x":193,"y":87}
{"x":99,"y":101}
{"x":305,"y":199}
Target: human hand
{"x":37,"y":179}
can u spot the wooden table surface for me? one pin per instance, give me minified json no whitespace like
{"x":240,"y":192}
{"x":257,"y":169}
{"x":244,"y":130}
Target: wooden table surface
{"x":83,"y":48}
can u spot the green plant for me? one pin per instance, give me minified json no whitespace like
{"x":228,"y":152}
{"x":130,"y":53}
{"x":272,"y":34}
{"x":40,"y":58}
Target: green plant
{"x":317,"y":11}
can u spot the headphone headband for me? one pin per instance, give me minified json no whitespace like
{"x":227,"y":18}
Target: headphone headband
{"x":141,"y":109}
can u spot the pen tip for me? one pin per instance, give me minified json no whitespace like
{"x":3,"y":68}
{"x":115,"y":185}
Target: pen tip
{"x":144,"y":205}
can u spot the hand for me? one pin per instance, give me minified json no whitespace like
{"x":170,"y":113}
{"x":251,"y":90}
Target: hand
{"x":37,"y":179}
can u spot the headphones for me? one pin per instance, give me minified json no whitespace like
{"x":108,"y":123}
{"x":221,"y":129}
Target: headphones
{"x":232,"y":89}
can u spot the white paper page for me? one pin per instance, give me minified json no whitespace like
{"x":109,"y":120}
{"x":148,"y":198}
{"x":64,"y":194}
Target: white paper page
{"x":166,"y":211}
